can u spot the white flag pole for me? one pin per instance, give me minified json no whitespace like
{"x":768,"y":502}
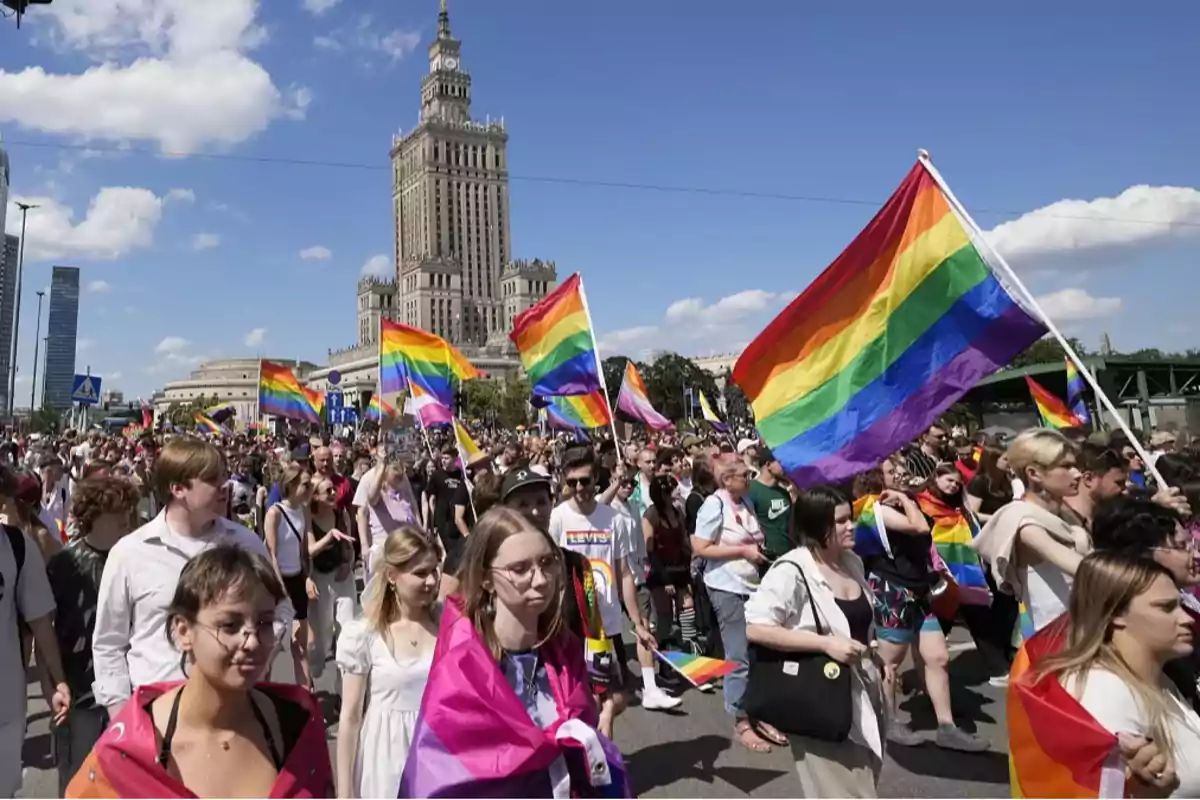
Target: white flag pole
{"x":1010,"y":276}
{"x":612,"y":415}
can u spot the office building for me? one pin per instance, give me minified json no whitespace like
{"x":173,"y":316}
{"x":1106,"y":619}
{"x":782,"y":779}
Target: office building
{"x":62,"y":325}
{"x":5,"y":179}
{"x":451,"y":209}
{"x":8,"y":297}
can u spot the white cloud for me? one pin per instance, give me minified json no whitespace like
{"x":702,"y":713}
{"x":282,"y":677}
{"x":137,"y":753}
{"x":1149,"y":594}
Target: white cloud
{"x":172,"y":345}
{"x":378,"y":266}
{"x":114,"y":376}
{"x":1139,"y":215}
{"x":363,"y":36}
{"x":1076,"y":305}
{"x":692,"y":327}
{"x":181,"y":196}
{"x":319,"y":7}
{"x":256,"y":337}
{"x":119,"y":219}
{"x":175,"y":72}
{"x":205,"y":241}
{"x":83,"y":345}
{"x":316,"y":253}
{"x":96,"y":287}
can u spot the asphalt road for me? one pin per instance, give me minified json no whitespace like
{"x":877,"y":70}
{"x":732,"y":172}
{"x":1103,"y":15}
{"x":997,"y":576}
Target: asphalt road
{"x":690,"y":753}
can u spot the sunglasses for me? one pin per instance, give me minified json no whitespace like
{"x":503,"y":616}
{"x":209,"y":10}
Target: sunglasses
{"x":573,"y":482}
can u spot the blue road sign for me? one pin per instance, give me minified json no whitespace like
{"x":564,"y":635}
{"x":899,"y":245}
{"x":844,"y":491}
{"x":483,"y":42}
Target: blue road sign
{"x":85,"y":390}
{"x":334,"y":377}
{"x":333,"y":402}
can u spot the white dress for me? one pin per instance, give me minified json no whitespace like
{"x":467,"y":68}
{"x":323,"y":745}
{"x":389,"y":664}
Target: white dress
{"x":393,"y":699}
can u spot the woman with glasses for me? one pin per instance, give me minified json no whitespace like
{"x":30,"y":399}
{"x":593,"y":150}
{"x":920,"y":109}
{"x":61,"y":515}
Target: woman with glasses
{"x":288,"y":527}
{"x":219,"y":733}
{"x":505,"y":671}
{"x":385,"y":658}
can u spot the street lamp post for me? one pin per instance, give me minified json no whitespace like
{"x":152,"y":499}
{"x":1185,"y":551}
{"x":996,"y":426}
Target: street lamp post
{"x":12,"y":373}
{"x":37,"y":332}
{"x":45,"y":365}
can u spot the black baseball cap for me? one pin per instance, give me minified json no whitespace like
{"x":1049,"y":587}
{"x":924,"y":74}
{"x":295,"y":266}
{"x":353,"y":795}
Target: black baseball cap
{"x":520,"y":477}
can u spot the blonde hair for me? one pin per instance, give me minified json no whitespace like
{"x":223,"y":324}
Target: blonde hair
{"x":1105,"y":584}
{"x":290,"y":477}
{"x":183,"y":460}
{"x":403,"y":547}
{"x":1037,"y":447}
{"x":490,"y":532}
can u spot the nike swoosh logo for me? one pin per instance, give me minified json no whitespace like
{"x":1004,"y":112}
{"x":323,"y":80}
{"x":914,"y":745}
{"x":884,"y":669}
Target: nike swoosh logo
{"x":774,"y":514}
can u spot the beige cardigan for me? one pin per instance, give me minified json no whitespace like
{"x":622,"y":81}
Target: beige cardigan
{"x":996,"y":543}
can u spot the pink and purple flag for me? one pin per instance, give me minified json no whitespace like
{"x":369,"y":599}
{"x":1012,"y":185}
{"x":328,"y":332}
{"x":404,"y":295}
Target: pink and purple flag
{"x":634,"y":401}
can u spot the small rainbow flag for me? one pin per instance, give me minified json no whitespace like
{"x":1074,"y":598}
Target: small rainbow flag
{"x":1055,"y":747}
{"x":870,"y":537}
{"x":1054,"y":412}
{"x":579,"y":411}
{"x":1075,"y":390}
{"x":953,"y":531}
{"x":901,"y":325}
{"x":425,"y":407}
{"x":710,"y":416}
{"x":206,"y":424}
{"x":634,"y":401}
{"x":280,"y":394}
{"x":699,"y":670}
{"x":379,"y":409}
{"x":468,"y":451}
{"x":411,"y":355}
{"x":554,"y":338}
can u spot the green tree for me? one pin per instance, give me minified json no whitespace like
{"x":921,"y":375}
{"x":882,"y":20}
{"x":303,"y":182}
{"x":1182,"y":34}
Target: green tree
{"x":480,"y":399}
{"x":614,"y":373}
{"x":669,"y":378}
{"x":1047,"y":349}
{"x":737,"y":407}
{"x":45,"y":420}
{"x":514,"y":408}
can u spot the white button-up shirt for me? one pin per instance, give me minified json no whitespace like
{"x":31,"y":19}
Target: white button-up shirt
{"x":130,"y":646}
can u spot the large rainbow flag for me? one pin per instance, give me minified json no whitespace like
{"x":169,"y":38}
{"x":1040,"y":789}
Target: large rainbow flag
{"x":953,"y":530}
{"x":634,"y":401}
{"x":1054,"y":412}
{"x":554,"y":338}
{"x":281,"y":395}
{"x":890,"y":335}
{"x":709,"y":415}
{"x":1055,"y":747}
{"x":578,"y":412}
{"x":1075,"y":390}
{"x":316,"y":399}
{"x":409,"y":354}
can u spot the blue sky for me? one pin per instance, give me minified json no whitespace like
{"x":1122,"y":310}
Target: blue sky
{"x":1081,"y":102}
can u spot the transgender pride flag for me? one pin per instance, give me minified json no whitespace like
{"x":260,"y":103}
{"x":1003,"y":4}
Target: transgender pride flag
{"x":633,"y":400}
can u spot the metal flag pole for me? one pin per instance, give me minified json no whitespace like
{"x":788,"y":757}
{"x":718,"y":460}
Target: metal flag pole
{"x":587,"y":312}
{"x":1010,"y":276}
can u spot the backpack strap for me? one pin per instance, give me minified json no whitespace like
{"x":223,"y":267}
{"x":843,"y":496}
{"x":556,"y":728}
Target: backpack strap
{"x":16,"y":540}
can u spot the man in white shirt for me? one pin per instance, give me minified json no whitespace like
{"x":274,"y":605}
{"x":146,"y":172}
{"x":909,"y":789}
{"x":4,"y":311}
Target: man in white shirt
{"x":130,"y":647}
{"x":604,"y":537}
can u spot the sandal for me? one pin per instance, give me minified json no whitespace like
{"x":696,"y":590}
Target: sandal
{"x":769,"y":733}
{"x":748,"y":738}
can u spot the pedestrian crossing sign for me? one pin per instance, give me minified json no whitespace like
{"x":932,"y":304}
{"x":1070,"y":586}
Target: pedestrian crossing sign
{"x":85,"y":390}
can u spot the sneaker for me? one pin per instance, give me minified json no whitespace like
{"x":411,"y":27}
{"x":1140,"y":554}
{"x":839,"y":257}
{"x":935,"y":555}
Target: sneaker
{"x":952,"y":737}
{"x":904,"y":736}
{"x":659,"y":701}
{"x":707,"y":687}
{"x":999,"y":681}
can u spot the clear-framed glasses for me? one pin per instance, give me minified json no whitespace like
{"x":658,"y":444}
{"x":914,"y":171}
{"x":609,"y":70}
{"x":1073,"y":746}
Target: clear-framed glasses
{"x":521,"y":572}
{"x":237,"y":634}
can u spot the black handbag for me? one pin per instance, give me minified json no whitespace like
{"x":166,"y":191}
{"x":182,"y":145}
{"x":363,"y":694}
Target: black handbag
{"x":800,"y":692}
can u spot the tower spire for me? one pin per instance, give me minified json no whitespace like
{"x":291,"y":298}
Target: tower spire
{"x":443,"y":20}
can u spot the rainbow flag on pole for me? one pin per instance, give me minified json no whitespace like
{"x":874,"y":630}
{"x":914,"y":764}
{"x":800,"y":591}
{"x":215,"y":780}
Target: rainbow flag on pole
{"x":378,"y":409}
{"x":316,"y":399}
{"x":412,"y":355}
{"x":1054,"y":412}
{"x":902,"y":324}
{"x":634,"y":401}
{"x":699,"y":670}
{"x":281,"y":395}
{"x":709,"y":415}
{"x":577,"y":412}
{"x":1075,"y":390}
{"x":206,"y":424}
{"x":554,"y":338}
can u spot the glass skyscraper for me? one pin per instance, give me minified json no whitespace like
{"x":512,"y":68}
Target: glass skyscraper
{"x":8,"y":295}
{"x":61,"y":327}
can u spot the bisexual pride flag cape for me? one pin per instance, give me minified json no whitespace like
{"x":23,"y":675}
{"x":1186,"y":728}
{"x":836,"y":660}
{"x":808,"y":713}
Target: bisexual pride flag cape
{"x":474,"y":738}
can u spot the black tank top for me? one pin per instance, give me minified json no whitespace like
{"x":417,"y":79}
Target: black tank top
{"x":858,"y":613}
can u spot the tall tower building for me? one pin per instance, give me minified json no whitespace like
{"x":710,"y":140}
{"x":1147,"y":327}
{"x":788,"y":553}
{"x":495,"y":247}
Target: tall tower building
{"x":5,"y":179}
{"x":450,"y":203}
{"x":62,"y":326}
{"x":376,"y":301}
{"x":8,"y":298}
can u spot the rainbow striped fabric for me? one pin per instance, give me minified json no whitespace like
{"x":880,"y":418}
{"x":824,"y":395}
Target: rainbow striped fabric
{"x":634,"y":401}
{"x":425,"y":407}
{"x":581,"y":411}
{"x":206,"y":424}
{"x":280,"y":394}
{"x":952,"y":533}
{"x":1075,"y":391}
{"x":1055,"y":747}
{"x":709,"y":415}
{"x":699,"y":670}
{"x":1054,"y":412}
{"x":889,"y":336}
{"x":379,"y":409}
{"x":554,"y":338}
{"x":316,"y":399}
{"x":870,"y":538}
{"x":412,"y":355}
{"x":468,"y":451}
